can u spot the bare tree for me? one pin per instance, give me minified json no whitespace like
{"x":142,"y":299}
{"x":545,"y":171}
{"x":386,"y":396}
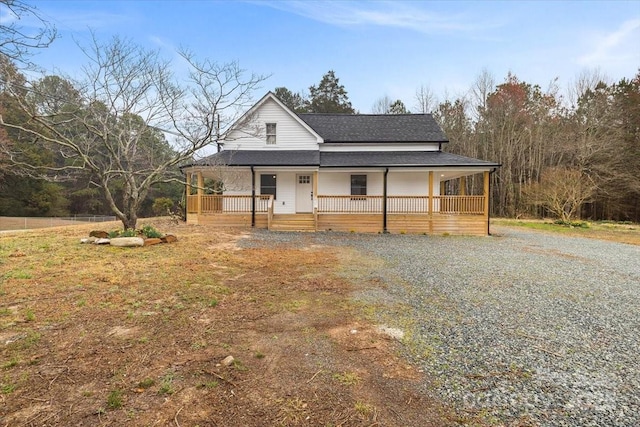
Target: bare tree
{"x":562,"y":191}
{"x":381,"y":105}
{"x":385,"y":105}
{"x":484,"y":84}
{"x":16,"y":43}
{"x":128,"y":101}
{"x":586,"y":80}
{"x":425,"y":100}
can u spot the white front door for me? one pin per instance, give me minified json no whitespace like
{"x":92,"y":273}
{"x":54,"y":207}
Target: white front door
{"x":304,"y":194}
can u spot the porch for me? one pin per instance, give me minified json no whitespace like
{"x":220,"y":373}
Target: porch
{"x":433,"y":214}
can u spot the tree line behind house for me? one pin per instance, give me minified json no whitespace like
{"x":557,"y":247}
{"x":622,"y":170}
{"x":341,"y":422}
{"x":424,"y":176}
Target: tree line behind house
{"x":566,"y":156}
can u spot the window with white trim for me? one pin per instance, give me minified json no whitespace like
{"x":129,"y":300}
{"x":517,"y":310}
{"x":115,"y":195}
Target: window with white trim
{"x":358,"y":185}
{"x":271,"y":133}
{"x":268,"y":184}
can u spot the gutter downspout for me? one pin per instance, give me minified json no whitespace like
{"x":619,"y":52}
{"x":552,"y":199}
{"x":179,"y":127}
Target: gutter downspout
{"x":253,"y":197}
{"x":384,"y":202}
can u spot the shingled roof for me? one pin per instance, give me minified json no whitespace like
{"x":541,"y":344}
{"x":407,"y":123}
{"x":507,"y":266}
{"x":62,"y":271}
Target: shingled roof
{"x":375,"y":127}
{"x":357,"y":159}
{"x":262,"y":158}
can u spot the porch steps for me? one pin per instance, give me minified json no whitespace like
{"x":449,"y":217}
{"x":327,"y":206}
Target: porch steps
{"x":293,"y":222}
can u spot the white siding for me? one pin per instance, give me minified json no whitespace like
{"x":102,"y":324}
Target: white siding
{"x":336,"y":183}
{"x":408,"y":183}
{"x":436,"y":184}
{"x":290,"y":133}
{"x":391,"y":146}
{"x":398,"y":183}
{"x":339,"y":183}
{"x":285,"y":191}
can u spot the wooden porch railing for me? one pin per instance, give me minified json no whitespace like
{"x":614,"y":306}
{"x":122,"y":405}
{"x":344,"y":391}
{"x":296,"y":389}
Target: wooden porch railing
{"x":349,"y":204}
{"x":227,"y":203}
{"x":406,"y":204}
{"x":471,"y":205}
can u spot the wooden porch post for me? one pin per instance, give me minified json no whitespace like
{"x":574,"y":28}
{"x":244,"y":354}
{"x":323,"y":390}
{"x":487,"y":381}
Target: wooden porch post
{"x":187,"y":186}
{"x":200,"y":192}
{"x":430,"y":201}
{"x":430,"y":192}
{"x":314,"y":200}
{"x":463,"y":185}
{"x":486,"y":198}
{"x":253,"y":201}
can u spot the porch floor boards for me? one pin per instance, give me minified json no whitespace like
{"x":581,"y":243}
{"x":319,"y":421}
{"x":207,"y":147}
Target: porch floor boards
{"x":293,"y":222}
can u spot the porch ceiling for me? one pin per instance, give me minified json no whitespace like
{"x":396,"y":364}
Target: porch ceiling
{"x":262,"y":158}
{"x":436,"y":159}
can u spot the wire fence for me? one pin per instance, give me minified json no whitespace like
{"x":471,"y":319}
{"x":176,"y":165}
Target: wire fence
{"x":27,"y":223}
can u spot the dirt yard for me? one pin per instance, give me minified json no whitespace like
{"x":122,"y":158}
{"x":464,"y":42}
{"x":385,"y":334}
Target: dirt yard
{"x":97,"y":335}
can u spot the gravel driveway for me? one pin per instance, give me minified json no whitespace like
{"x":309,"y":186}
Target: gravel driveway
{"x":522,"y":327}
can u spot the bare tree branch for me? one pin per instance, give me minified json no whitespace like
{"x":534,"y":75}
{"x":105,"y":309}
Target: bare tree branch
{"x":17,"y":43}
{"x":114,"y":120}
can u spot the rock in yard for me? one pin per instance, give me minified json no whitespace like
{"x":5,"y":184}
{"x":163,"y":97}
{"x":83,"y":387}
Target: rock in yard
{"x":228,"y":361}
{"x":99,"y":234}
{"x":127,"y":242}
{"x":392,"y":332}
{"x":152,"y":241}
{"x":102,"y":241}
{"x":89,"y":240}
{"x":169,"y":238}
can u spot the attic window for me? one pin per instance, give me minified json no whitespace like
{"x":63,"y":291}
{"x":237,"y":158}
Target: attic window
{"x":271,"y":133}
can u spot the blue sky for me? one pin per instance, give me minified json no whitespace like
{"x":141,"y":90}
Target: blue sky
{"x":376,"y":48}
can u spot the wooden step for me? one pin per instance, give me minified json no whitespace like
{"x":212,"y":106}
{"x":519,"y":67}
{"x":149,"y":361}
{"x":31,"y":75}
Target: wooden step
{"x":293,"y":222}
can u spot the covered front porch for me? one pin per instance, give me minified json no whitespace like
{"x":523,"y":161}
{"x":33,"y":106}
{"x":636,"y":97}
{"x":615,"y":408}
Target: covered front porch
{"x":429,"y":213}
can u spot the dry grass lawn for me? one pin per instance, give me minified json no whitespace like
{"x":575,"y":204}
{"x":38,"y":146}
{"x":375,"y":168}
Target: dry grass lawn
{"x":614,"y":232}
{"x":97,"y":335}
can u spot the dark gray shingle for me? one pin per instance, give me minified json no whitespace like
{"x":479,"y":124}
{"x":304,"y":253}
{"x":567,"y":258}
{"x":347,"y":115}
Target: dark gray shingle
{"x":375,"y":127}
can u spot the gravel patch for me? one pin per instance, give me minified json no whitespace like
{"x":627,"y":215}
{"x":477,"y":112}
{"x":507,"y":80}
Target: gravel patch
{"x":522,"y":327}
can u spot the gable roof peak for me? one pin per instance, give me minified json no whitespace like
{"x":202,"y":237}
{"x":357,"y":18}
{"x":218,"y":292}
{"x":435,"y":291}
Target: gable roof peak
{"x":270,"y":95}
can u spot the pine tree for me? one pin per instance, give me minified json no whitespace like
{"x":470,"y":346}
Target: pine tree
{"x":329,"y":96}
{"x":297,"y":102}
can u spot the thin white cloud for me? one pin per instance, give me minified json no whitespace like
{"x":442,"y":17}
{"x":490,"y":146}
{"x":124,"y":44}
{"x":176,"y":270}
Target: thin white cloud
{"x":80,"y":18}
{"x":95,"y":20}
{"x":619,"y":45}
{"x":162,"y":43}
{"x":408,"y":15}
